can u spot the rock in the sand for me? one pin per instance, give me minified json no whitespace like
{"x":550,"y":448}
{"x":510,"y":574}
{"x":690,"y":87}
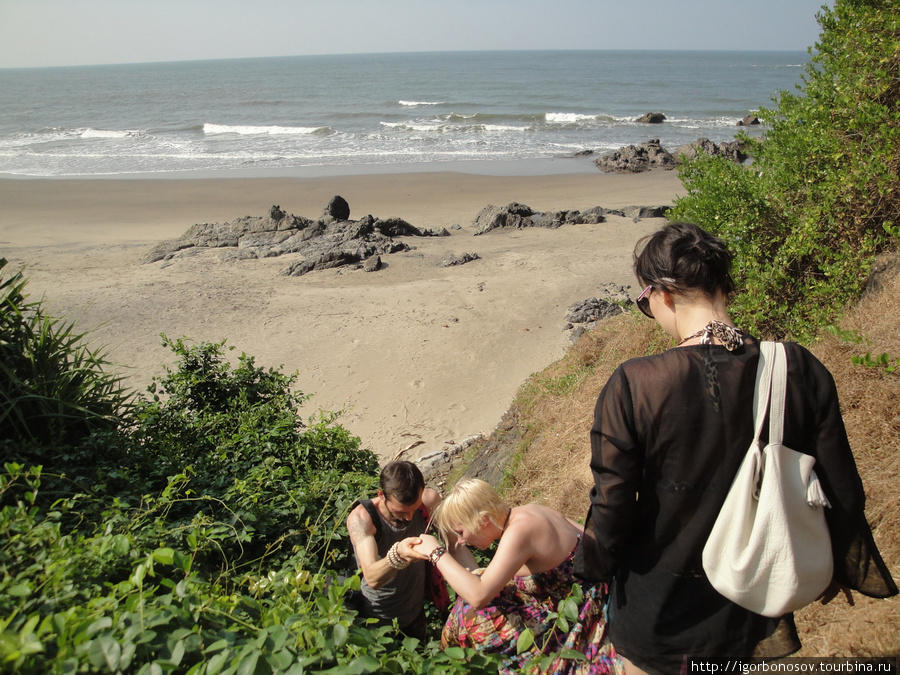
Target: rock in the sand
{"x":733,"y":150}
{"x":584,"y":315}
{"x":651,"y":118}
{"x":637,"y":213}
{"x":592,"y":309}
{"x":519,"y":216}
{"x":636,"y":158}
{"x":451,"y":260}
{"x":614,"y":300}
{"x":513,"y":215}
{"x":373,"y":264}
{"x":337,"y":209}
{"x":329,"y":242}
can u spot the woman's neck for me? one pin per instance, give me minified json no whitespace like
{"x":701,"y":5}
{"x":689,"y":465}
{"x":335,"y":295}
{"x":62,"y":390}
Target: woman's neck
{"x":694,"y":314}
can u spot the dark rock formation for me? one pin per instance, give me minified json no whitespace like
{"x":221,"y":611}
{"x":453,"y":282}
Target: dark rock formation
{"x":518,"y":216}
{"x":436,"y":466}
{"x":492,"y":454}
{"x":452,"y":259}
{"x":651,"y":155}
{"x":331,"y":241}
{"x":651,"y":118}
{"x":636,"y":158}
{"x":733,"y":150}
{"x":748,"y":121}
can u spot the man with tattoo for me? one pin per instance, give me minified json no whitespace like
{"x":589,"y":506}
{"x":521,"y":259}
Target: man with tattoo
{"x":383,"y":532}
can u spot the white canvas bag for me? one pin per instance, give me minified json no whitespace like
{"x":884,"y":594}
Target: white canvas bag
{"x":769,"y":550}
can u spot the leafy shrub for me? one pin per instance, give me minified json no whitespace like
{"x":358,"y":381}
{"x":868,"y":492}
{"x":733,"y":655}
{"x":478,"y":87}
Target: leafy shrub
{"x":199,"y":530}
{"x":225,"y":443}
{"x":167,"y":614}
{"x":822,"y":193}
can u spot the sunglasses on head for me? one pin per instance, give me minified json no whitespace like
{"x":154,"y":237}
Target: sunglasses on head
{"x":643,"y":302}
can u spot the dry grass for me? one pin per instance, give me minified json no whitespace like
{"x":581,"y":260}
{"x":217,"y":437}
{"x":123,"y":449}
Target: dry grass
{"x":558,"y":406}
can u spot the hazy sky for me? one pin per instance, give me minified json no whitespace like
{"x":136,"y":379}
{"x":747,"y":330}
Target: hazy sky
{"x":79,"y":32}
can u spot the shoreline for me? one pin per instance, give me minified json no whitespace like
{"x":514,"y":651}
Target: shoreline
{"x":544,"y":166}
{"x":417,"y":355}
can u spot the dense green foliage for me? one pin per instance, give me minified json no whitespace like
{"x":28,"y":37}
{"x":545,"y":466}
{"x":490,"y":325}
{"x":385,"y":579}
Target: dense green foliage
{"x":198,"y":530}
{"x":822,"y":194}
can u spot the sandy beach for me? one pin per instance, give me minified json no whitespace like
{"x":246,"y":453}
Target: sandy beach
{"x":417,"y":356}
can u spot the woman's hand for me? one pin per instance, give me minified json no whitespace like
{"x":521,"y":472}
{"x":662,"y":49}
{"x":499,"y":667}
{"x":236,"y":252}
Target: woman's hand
{"x":429,"y":543}
{"x":408,"y":549}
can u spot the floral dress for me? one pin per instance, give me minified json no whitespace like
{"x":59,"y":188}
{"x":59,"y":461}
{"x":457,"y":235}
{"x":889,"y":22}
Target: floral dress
{"x":527,"y":602}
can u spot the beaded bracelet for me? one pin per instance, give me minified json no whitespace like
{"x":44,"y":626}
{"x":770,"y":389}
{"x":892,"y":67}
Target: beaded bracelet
{"x":394,"y":558}
{"x":436,"y":554}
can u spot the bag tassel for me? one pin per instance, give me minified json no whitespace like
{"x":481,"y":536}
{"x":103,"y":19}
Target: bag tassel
{"x":815,"y":495}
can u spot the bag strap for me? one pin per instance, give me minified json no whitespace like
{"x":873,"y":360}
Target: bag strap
{"x":779,"y":395}
{"x":763,"y":388}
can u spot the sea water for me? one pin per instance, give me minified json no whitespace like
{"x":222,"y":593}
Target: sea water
{"x":349,"y":112}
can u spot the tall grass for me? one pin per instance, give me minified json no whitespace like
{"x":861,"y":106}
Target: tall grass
{"x":54,"y":389}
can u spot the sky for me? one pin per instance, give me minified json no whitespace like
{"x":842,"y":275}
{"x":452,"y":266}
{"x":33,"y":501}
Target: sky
{"x":37,"y":33}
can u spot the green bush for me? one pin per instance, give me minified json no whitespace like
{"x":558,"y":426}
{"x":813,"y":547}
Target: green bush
{"x":199,"y":530}
{"x":821,"y":195}
{"x":167,"y":614}
{"x":225,"y":443}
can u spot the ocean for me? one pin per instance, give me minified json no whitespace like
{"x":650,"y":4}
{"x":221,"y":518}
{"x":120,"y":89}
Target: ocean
{"x":494,"y":111}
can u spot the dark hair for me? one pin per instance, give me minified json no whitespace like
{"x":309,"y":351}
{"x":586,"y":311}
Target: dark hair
{"x":402,"y":481}
{"x":684,"y":257}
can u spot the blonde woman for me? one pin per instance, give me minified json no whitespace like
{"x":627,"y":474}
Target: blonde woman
{"x":528,"y":579}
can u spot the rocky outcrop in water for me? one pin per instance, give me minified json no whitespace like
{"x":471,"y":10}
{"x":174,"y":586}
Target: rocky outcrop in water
{"x":733,"y":150}
{"x":651,"y":118}
{"x":651,"y":155}
{"x":331,"y":241}
{"x":636,"y":158}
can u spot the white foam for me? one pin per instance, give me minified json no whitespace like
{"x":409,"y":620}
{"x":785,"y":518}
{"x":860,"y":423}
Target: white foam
{"x":250,"y":130}
{"x":418,"y":103}
{"x":452,"y":128}
{"x":567,"y":118}
{"x":107,"y":133}
{"x":503,"y":127}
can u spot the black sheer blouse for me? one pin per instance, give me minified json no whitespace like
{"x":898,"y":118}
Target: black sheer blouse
{"x":669,"y":434}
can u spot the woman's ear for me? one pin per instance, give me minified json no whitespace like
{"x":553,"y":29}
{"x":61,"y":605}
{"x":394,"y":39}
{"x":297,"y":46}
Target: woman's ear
{"x":668,"y":299}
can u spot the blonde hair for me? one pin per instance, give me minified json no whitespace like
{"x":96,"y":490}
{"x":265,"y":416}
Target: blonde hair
{"x":467,"y":505}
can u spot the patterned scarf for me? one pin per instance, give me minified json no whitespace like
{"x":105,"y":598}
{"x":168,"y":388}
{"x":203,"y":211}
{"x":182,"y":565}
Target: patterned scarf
{"x":729,"y":336}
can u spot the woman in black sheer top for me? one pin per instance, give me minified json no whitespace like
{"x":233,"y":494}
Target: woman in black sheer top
{"x":668,"y":436}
